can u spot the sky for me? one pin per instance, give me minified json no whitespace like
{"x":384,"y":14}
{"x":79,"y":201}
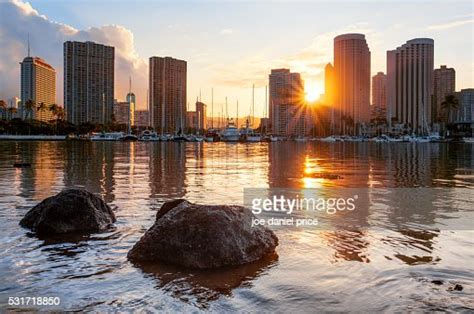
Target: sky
{"x":230,"y":45}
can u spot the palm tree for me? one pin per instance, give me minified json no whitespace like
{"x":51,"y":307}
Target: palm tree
{"x":3,"y":106}
{"x":29,"y":105}
{"x":42,"y":108}
{"x":450,"y":104}
{"x":11,"y":111}
{"x":60,"y":114}
{"x":55,"y":110}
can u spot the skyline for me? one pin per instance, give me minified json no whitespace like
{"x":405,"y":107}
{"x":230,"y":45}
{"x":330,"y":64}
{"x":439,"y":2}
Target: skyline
{"x":221,"y":56}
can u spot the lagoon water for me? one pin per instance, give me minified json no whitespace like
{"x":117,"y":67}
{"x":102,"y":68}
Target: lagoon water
{"x":399,"y":260}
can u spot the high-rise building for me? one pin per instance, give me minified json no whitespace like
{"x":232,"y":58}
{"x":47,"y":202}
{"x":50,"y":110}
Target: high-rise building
{"x":352,"y":82}
{"x":38,"y":88}
{"x":142,"y":118}
{"x":201,"y":110}
{"x":88,"y":82}
{"x":329,"y":84}
{"x":287,"y":106}
{"x":121,"y":112}
{"x":465,"y":113}
{"x":379,"y":90}
{"x":379,"y":96}
{"x":410,"y":84}
{"x":131,"y":100}
{"x":444,"y":84}
{"x":167,"y":80}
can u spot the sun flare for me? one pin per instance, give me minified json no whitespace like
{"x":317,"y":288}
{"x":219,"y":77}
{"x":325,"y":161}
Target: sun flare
{"x":313,"y":91}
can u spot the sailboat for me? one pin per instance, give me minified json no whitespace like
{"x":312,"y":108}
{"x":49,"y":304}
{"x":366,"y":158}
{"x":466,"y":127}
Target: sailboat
{"x":129,"y":136}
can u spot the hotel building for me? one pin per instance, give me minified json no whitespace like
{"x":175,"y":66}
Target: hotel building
{"x":410,"y":84}
{"x":352,"y":81}
{"x":88,"y":82}
{"x":379,"y":96}
{"x":444,"y":84}
{"x":167,"y":86}
{"x":287,"y":106}
{"x":38,"y":84}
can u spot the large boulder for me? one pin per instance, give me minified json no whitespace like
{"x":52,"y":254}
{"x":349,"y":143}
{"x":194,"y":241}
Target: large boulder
{"x":70,"y":211}
{"x":203,"y":236}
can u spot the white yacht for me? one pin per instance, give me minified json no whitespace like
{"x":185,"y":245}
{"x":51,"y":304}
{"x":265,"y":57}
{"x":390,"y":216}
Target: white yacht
{"x":230,"y":133}
{"x":247,"y":134}
{"x":110,"y":136}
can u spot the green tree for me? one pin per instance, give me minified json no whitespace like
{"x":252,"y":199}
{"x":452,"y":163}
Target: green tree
{"x":449,"y":105}
{"x":3,"y":106}
{"x":29,"y":106}
{"x":11,"y":112}
{"x":42,"y":107}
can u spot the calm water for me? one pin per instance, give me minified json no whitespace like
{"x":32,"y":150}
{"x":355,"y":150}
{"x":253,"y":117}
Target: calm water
{"x":387,"y":266}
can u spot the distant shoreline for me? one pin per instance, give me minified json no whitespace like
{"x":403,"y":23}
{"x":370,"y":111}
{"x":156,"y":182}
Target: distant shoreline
{"x":32,"y":137}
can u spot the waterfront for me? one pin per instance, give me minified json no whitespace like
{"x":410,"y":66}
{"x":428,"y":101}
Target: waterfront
{"x":390,"y":265}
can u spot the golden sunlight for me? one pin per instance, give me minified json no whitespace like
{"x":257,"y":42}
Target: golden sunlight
{"x":313,"y":90}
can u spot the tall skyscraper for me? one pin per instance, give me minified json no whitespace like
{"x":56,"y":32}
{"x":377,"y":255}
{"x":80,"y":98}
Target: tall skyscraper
{"x":379,"y":90}
{"x":444,"y":84}
{"x":121,"y":112}
{"x":465,"y":113}
{"x":329,"y":84}
{"x":88,"y":82}
{"x":287,"y":107}
{"x":38,"y":85}
{"x":167,"y":80}
{"x":352,"y":81}
{"x":201,"y":112}
{"x":410,"y":84}
{"x":131,"y":100}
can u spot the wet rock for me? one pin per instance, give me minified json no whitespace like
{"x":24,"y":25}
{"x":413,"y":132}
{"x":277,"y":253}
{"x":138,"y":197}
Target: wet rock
{"x":203,"y":236}
{"x":437,"y":282}
{"x":456,"y":287}
{"x":21,"y":165}
{"x":70,"y":211}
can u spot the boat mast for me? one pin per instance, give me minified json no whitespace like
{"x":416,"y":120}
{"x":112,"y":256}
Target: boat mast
{"x":212,"y":107}
{"x":237,"y":121}
{"x":253,"y":104}
{"x":130,"y":105}
{"x":265,"y":109}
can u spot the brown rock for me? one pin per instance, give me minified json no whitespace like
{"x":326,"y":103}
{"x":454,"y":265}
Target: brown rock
{"x":70,"y":211}
{"x":203,"y":236}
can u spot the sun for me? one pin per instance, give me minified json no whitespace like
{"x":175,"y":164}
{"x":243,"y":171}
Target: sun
{"x":313,"y":91}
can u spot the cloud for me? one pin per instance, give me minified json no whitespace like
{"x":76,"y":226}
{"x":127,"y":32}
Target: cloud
{"x":309,"y":61}
{"x":227,"y":31}
{"x":18,"y":19}
{"x":450,"y":24}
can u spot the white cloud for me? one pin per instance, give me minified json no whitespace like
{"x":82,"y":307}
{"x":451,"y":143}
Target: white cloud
{"x":450,"y":24}
{"x":309,"y":61}
{"x":18,"y":19}
{"x":227,"y":31}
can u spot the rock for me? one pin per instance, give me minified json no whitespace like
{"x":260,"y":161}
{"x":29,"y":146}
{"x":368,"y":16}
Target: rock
{"x":70,"y":211}
{"x":456,"y":287}
{"x":203,"y":236}
{"x":21,"y":165}
{"x":437,"y":282}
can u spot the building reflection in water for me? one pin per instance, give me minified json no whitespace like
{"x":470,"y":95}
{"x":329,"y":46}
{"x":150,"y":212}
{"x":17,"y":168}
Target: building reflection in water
{"x":143,"y":175}
{"x":90,"y":165}
{"x":376,"y":169}
{"x":167,"y":167}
